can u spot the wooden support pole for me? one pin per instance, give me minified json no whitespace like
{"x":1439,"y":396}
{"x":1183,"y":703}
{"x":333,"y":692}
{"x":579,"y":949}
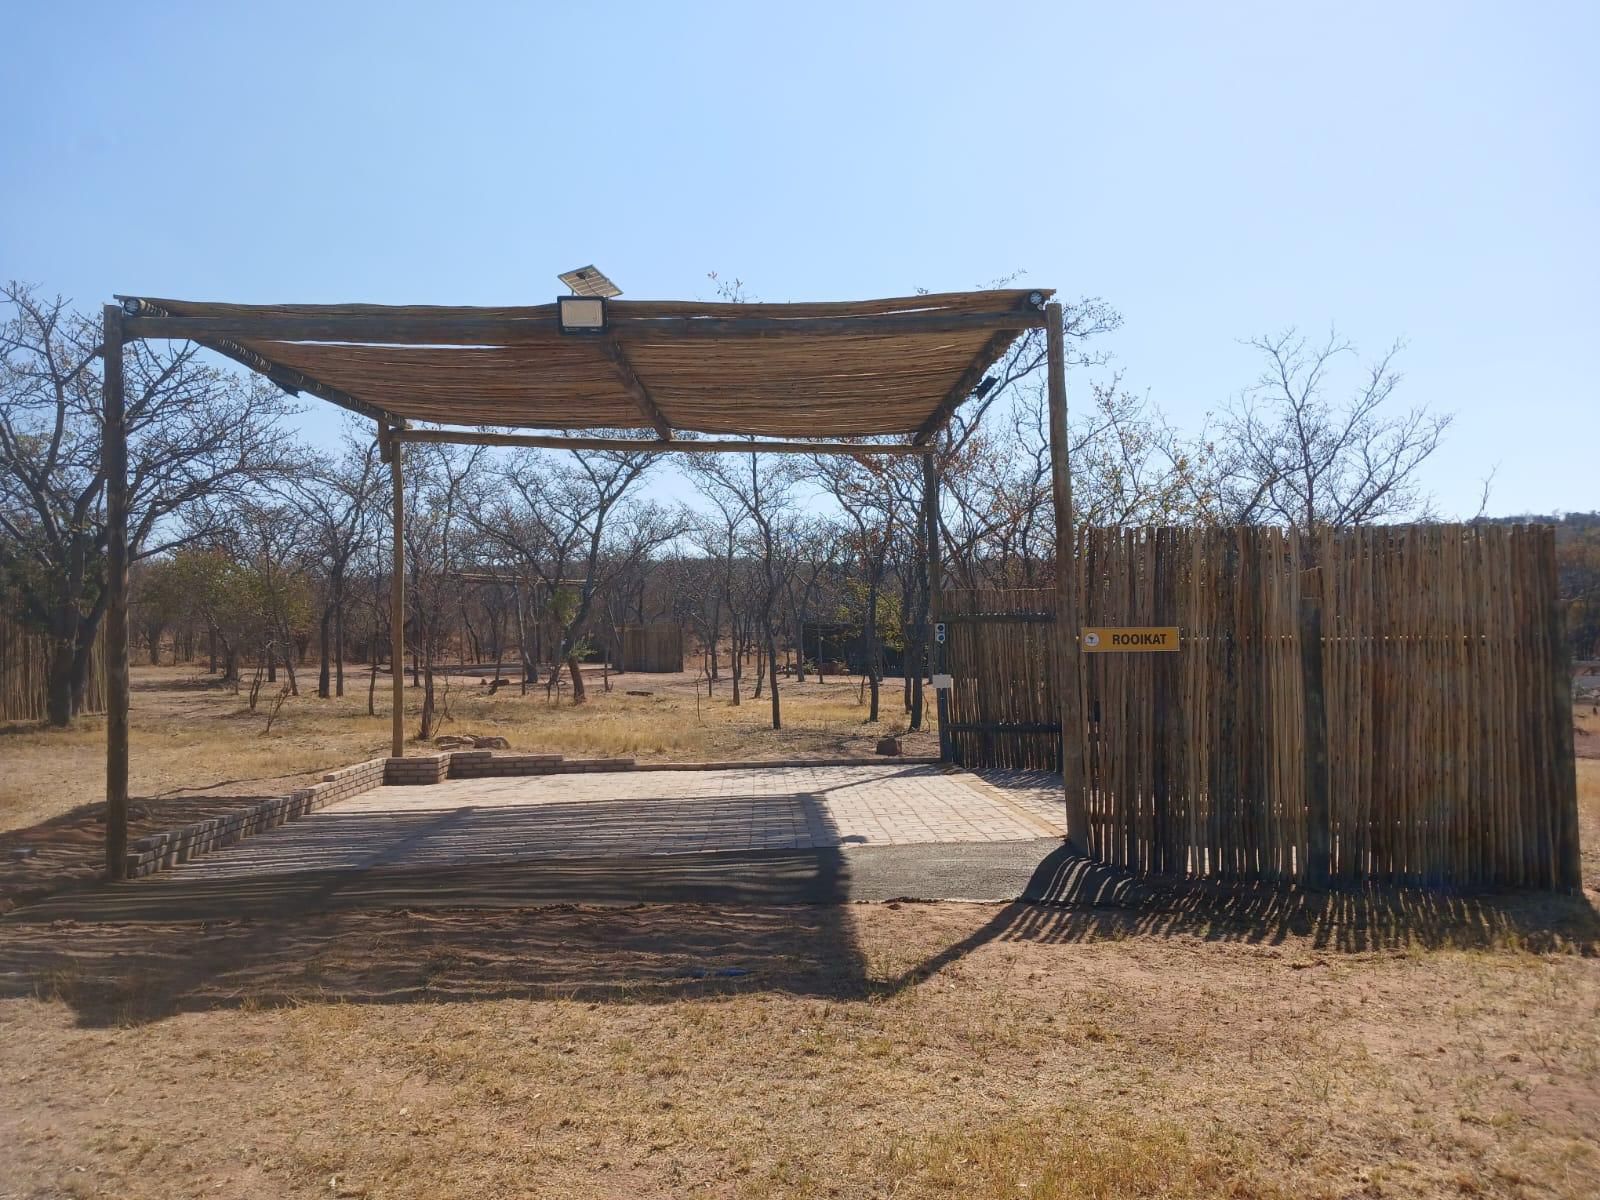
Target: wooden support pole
{"x":114,"y":464}
{"x":1069,"y":681}
{"x":930,"y":507}
{"x":1319,"y":832}
{"x":397,"y":599}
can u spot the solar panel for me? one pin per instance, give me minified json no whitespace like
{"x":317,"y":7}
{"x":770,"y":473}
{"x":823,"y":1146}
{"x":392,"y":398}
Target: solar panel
{"x":589,"y":281}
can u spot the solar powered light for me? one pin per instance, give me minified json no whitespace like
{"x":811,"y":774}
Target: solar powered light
{"x":582,"y":314}
{"x":585,"y":310}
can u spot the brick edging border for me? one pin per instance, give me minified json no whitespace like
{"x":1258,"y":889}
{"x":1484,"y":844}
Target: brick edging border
{"x":737,"y":764}
{"x":158,"y":851}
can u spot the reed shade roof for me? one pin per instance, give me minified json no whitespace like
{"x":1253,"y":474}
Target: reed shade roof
{"x":816,"y":370}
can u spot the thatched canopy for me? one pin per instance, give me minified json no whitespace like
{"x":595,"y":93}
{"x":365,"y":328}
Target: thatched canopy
{"x":834,"y":370}
{"x":798,"y":373}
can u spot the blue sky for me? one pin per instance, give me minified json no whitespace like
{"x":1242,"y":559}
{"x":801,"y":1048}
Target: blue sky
{"x":1426,"y":171}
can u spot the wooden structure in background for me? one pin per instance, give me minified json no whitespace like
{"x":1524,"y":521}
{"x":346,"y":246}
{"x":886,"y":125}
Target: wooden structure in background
{"x":1001,"y":650}
{"x":652,"y":649}
{"x":1381,"y":705}
{"x":662,"y":376}
{"x":25,"y":674}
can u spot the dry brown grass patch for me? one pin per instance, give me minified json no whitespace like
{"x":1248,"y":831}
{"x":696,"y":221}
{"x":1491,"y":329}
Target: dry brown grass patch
{"x":575,"y":1052}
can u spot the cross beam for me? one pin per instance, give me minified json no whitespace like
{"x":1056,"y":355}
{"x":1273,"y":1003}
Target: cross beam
{"x":539,"y":441}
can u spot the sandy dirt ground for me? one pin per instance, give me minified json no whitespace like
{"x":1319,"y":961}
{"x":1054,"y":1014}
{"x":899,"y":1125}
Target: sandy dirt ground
{"x":868,"y":1050}
{"x":1178,"y":1047}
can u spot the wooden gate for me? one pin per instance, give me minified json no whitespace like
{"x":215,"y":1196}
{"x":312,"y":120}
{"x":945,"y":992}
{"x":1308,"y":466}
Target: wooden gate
{"x":1000,"y":650}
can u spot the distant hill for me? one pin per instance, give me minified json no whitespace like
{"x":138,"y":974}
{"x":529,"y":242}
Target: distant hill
{"x":1568,"y":524}
{"x":1578,"y":564}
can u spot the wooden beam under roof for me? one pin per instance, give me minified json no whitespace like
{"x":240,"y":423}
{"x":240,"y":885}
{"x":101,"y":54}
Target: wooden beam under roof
{"x":287,"y":378}
{"x":618,"y":358}
{"x":540,"y":441}
{"x":970,"y":378}
{"x":454,"y":330}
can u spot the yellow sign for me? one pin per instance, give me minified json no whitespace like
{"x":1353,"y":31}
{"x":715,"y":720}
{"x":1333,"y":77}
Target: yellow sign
{"x":1143,"y":639}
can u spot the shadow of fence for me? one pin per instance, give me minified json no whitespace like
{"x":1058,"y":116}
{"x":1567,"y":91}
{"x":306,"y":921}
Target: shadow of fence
{"x":1075,"y":899}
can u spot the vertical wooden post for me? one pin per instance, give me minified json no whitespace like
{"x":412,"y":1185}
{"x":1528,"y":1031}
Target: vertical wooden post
{"x":930,"y":506}
{"x":114,"y":464}
{"x":397,"y":598}
{"x":1069,"y":682}
{"x":1319,"y":831}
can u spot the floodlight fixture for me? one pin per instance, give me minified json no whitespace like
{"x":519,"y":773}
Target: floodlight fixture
{"x":582,"y":314}
{"x":584,"y":311}
{"x":1036,"y":299}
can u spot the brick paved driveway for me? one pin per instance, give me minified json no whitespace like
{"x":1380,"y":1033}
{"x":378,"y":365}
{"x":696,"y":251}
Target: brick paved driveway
{"x":470,"y":822}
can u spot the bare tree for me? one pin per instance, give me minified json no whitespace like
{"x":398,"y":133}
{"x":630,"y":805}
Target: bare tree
{"x":758,"y":491}
{"x":558,"y":517}
{"x":1288,"y":454}
{"x":719,"y":534}
{"x":194,"y":431}
{"x":436,"y":512}
{"x":1128,"y":467}
{"x":813,"y":549}
{"x":864,"y":490}
{"x":340,"y":499}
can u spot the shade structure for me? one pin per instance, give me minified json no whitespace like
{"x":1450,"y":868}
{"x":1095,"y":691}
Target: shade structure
{"x":801,"y":373}
{"x":850,"y":369}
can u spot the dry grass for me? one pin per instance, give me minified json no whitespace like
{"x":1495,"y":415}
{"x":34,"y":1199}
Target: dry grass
{"x":193,"y":737}
{"x":1587,"y":743}
{"x":562,"y":1053}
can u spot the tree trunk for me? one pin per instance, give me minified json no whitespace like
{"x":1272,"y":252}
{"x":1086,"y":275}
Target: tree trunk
{"x":338,"y":641}
{"x":916,"y":657}
{"x":372,"y":673}
{"x":325,"y":653}
{"x":426,"y":731}
{"x":288,"y":666}
{"x":872,"y":648}
{"x":574,"y":670}
{"x":772,"y":672}
{"x":58,"y":700}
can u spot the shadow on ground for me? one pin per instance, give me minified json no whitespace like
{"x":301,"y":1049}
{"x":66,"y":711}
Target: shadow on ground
{"x":366,"y":921}
{"x":1073,"y":899}
{"x":697,"y":925}
{"x":67,"y":851}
